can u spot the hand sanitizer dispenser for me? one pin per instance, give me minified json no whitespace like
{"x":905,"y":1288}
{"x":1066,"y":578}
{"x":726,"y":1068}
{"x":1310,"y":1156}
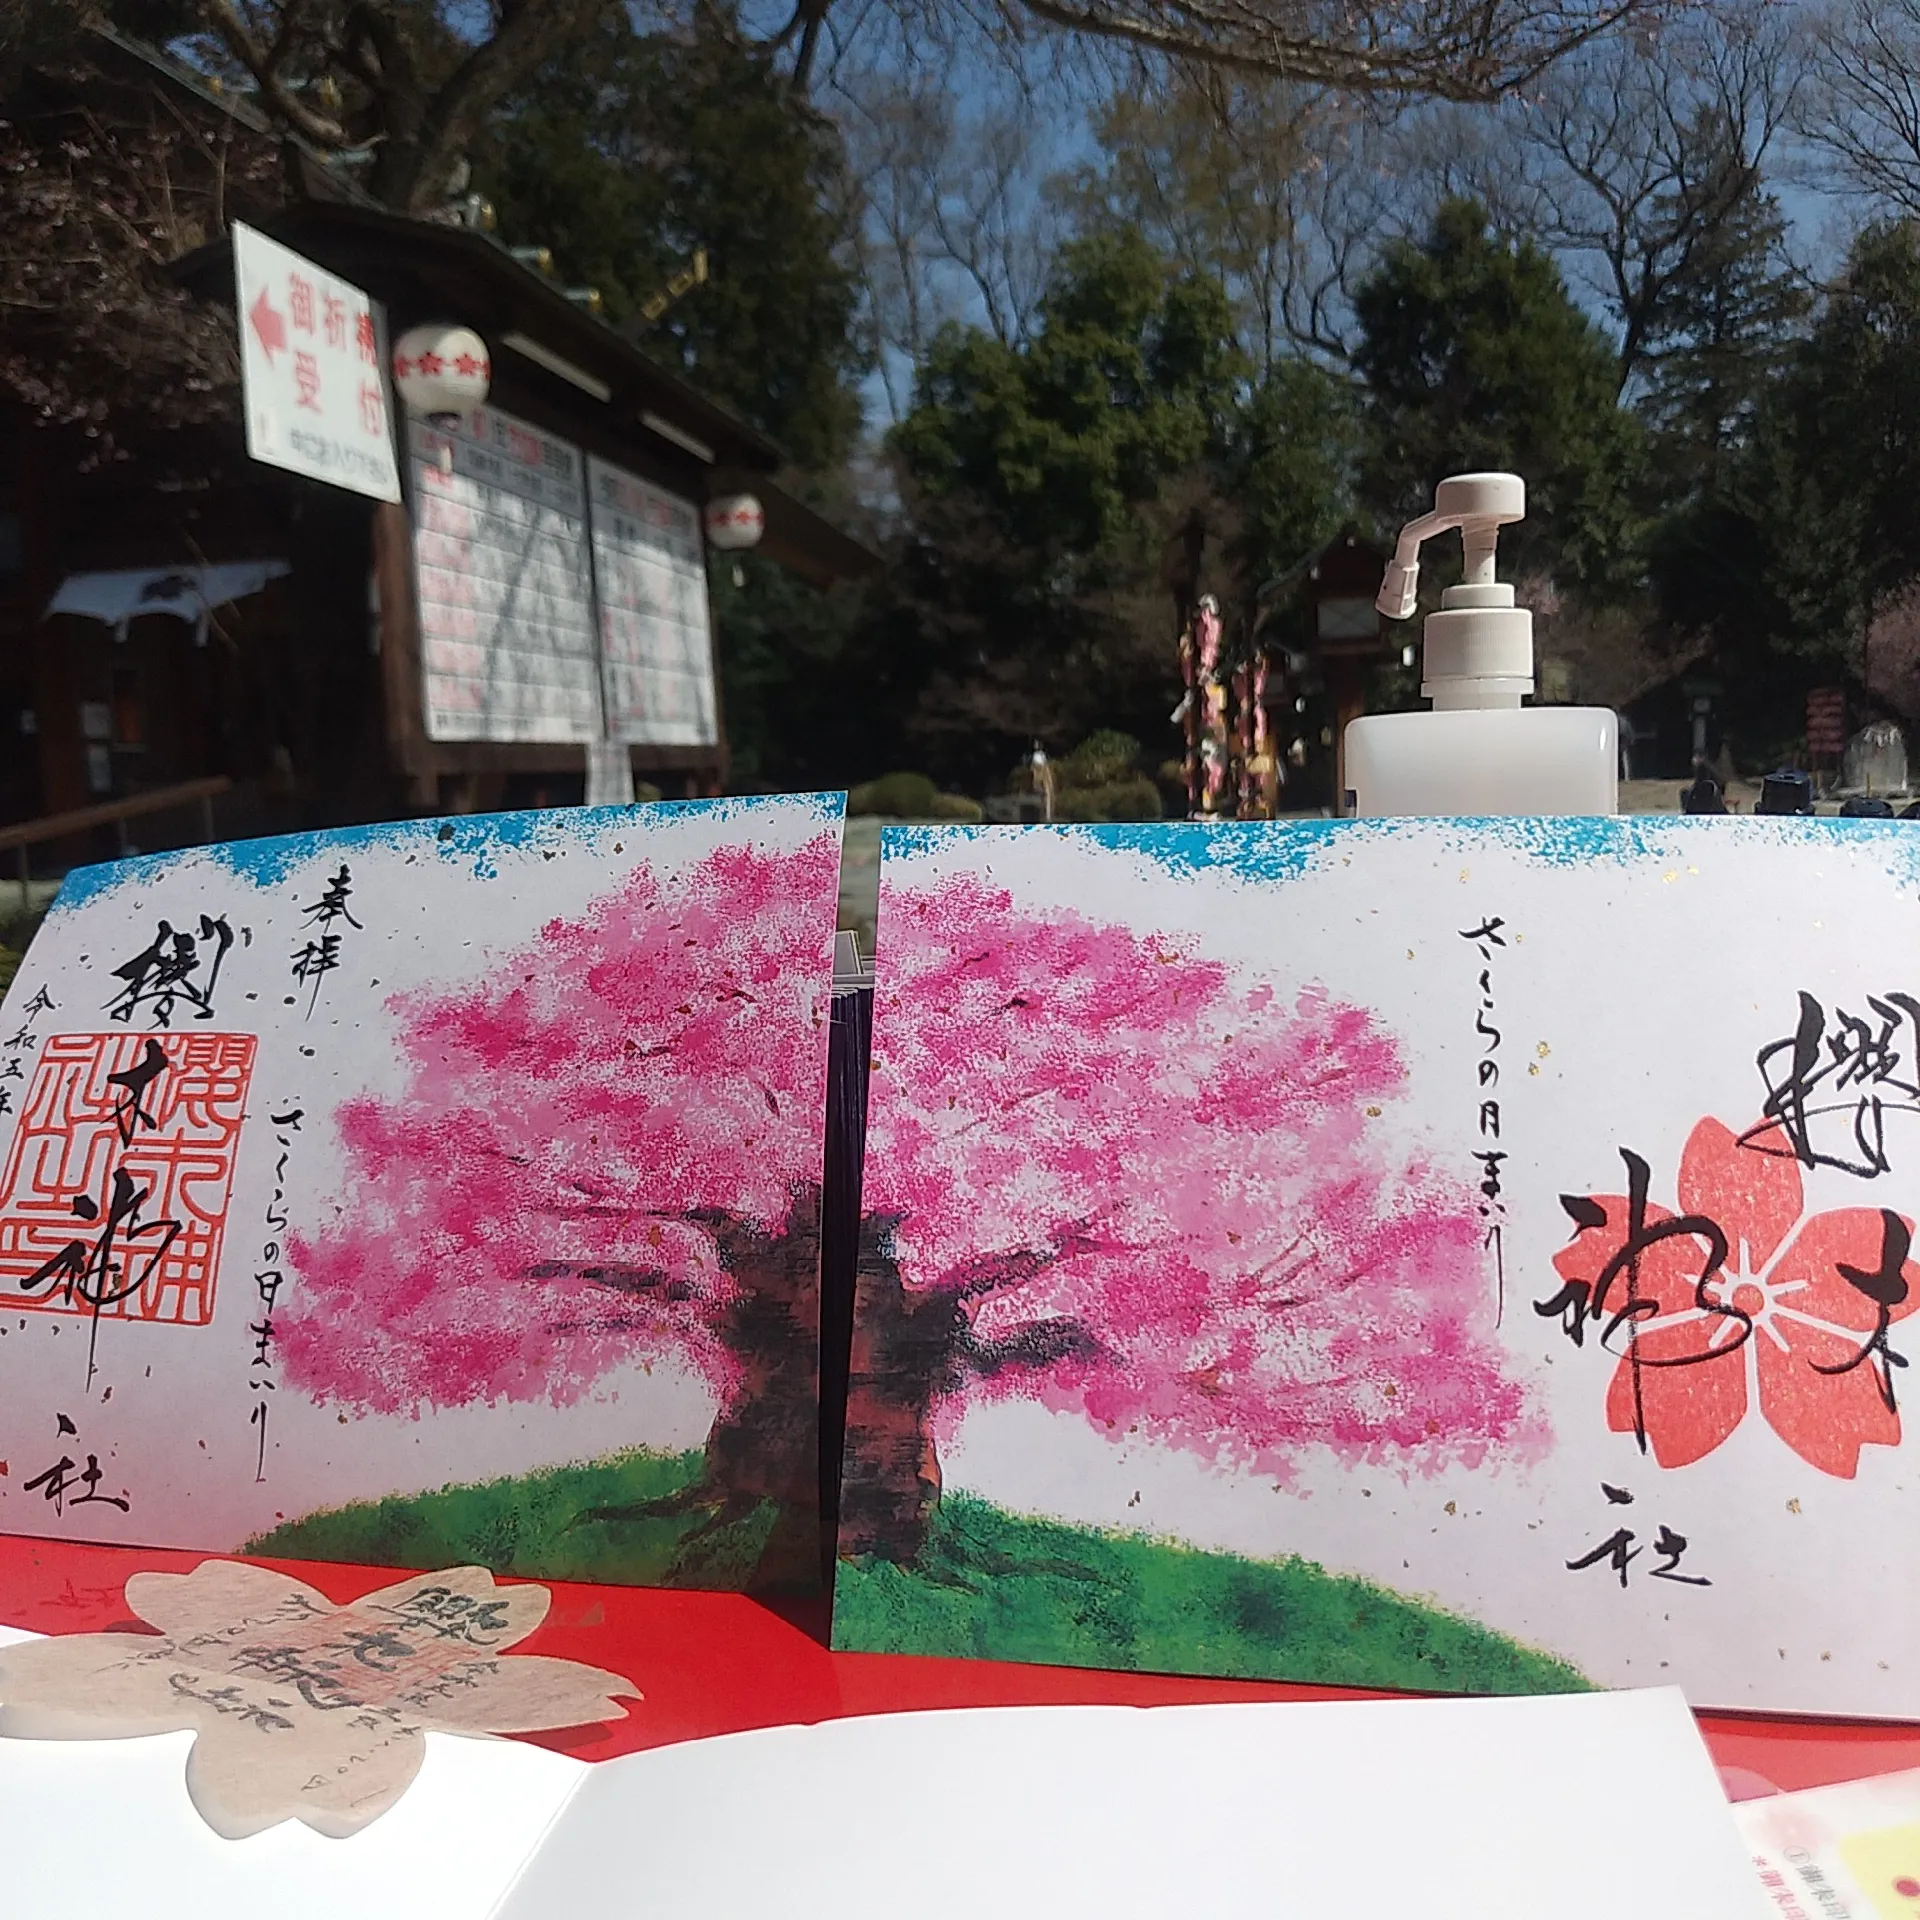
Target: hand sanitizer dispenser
{"x":1479,"y":751}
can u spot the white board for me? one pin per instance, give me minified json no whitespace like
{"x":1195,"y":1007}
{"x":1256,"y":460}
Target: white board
{"x":651,"y":576}
{"x":507,"y":633}
{"x":310,"y":368}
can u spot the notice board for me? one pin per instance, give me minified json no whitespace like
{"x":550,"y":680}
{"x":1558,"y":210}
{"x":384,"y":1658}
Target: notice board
{"x":560,"y":597}
{"x":504,"y":577}
{"x":651,"y":575}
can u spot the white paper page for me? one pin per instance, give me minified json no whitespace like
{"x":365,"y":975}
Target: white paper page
{"x":1583,"y":1807}
{"x":103,"y":1829}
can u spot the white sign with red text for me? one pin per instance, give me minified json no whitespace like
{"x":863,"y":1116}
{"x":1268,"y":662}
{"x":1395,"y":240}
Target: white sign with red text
{"x":316,"y":400}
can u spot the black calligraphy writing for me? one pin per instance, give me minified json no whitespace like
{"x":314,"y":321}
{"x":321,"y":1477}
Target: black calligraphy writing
{"x":1830,"y":1085}
{"x":319,"y":954}
{"x":169,"y":972}
{"x":268,"y":1279}
{"x":1490,"y":1159}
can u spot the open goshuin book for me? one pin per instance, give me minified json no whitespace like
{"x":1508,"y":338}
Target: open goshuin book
{"x":1447,"y":1255}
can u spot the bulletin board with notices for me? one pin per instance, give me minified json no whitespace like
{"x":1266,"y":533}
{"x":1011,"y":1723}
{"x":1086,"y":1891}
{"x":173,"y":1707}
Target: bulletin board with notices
{"x":508,"y":637}
{"x":651,"y":578}
{"x":560,"y":597}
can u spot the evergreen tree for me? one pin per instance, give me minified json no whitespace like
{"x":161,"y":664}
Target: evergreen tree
{"x":1724,"y":327}
{"x":1045,"y":481}
{"x":639,"y":150}
{"x":1814,"y":521}
{"x":1292,"y":463}
{"x":626,"y":159}
{"x":1130,"y":377}
{"x":1475,"y":356}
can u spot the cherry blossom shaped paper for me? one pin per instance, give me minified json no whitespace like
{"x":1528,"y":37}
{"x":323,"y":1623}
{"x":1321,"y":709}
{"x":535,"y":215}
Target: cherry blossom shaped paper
{"x":304,"y":1710}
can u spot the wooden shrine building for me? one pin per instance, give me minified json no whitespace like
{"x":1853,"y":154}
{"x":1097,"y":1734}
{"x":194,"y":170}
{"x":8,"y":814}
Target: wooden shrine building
{"x":173,"y":611}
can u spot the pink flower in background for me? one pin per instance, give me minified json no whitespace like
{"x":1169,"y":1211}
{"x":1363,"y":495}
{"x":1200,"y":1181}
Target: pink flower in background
{"x":1106,"y":1175}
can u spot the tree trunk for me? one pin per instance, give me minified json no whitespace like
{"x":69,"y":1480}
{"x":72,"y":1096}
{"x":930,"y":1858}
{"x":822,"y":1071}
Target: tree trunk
{"x":905,"y":1347}
{"x":763,"y":1446}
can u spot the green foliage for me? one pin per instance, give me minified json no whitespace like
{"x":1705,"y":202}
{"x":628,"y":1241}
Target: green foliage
{"x":1724,"y":328}
{"x":1098,"y":760}
{"x":539,"y":1525}
{"x":1851,"y":414}
{"x":1135,"y":798}
{"x":901,"y":796}
{"x":636,"y":150}
{"x":1292,"y":465}
{"x":1103,"y":779}
{"x":16,"y":935}
{"x":911,"y":796}
{"x":1813,"y":515}
{"x":1475,"y":357}
{"x":1129,"y":379}
{"x":990,"y":1585}
{"x":958,"y":808}
{"x":1044,"y":480}
{"x":814,"y":684}
{"x":1207,"y":168}
{"x":625,"y":159}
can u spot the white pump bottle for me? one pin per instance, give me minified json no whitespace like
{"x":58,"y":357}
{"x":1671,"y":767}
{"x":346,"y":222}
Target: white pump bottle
{"x":1479,"y":751}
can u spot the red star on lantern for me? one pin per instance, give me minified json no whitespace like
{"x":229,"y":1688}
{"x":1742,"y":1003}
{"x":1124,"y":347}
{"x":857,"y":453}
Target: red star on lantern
{"x":467,"y":364}
{"x":402,"y":366}
{"x":430,"y":364}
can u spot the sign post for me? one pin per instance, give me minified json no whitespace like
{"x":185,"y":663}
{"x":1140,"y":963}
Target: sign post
{"x":1826,"y":726}
{"x":316,"y":395}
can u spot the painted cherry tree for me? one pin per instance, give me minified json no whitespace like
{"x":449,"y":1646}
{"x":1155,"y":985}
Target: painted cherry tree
{"x":607,"y":1149}
{"x":1107,"y":1175}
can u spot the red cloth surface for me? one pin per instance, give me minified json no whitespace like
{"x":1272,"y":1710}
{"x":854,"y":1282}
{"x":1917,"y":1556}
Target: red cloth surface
{"x":717,"y":1663}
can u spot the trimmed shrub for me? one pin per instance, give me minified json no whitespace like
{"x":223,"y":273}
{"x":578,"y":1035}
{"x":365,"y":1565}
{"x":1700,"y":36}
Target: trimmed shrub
{"x":906,"y":796}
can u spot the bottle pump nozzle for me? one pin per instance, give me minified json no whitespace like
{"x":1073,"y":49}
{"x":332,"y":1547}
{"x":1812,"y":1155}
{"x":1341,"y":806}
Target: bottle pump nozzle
{"x":1478,"y":649}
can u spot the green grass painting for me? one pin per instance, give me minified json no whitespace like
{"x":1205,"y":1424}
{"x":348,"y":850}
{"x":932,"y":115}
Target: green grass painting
{"x":987,"y":1584}
{"x":627,"y":1520}
{"x":991,"y":1585}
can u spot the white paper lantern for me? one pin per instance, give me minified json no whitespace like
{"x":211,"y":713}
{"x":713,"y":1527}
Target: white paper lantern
{"x":734,"y":521}
{"x":441,"y":369}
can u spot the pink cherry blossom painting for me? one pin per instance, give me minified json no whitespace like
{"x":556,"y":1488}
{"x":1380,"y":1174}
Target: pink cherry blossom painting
{"x":1453,"y":1255}
{"x":442,"y":1193}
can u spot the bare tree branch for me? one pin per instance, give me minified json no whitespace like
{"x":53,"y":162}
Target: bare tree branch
{"x":1863,"y":109}
{"x":265,"y":63}
{"x":1626,"y":166}
{"x":1447,"y":49}
{"x":421,"y":84}
{"x":956,"y":221}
